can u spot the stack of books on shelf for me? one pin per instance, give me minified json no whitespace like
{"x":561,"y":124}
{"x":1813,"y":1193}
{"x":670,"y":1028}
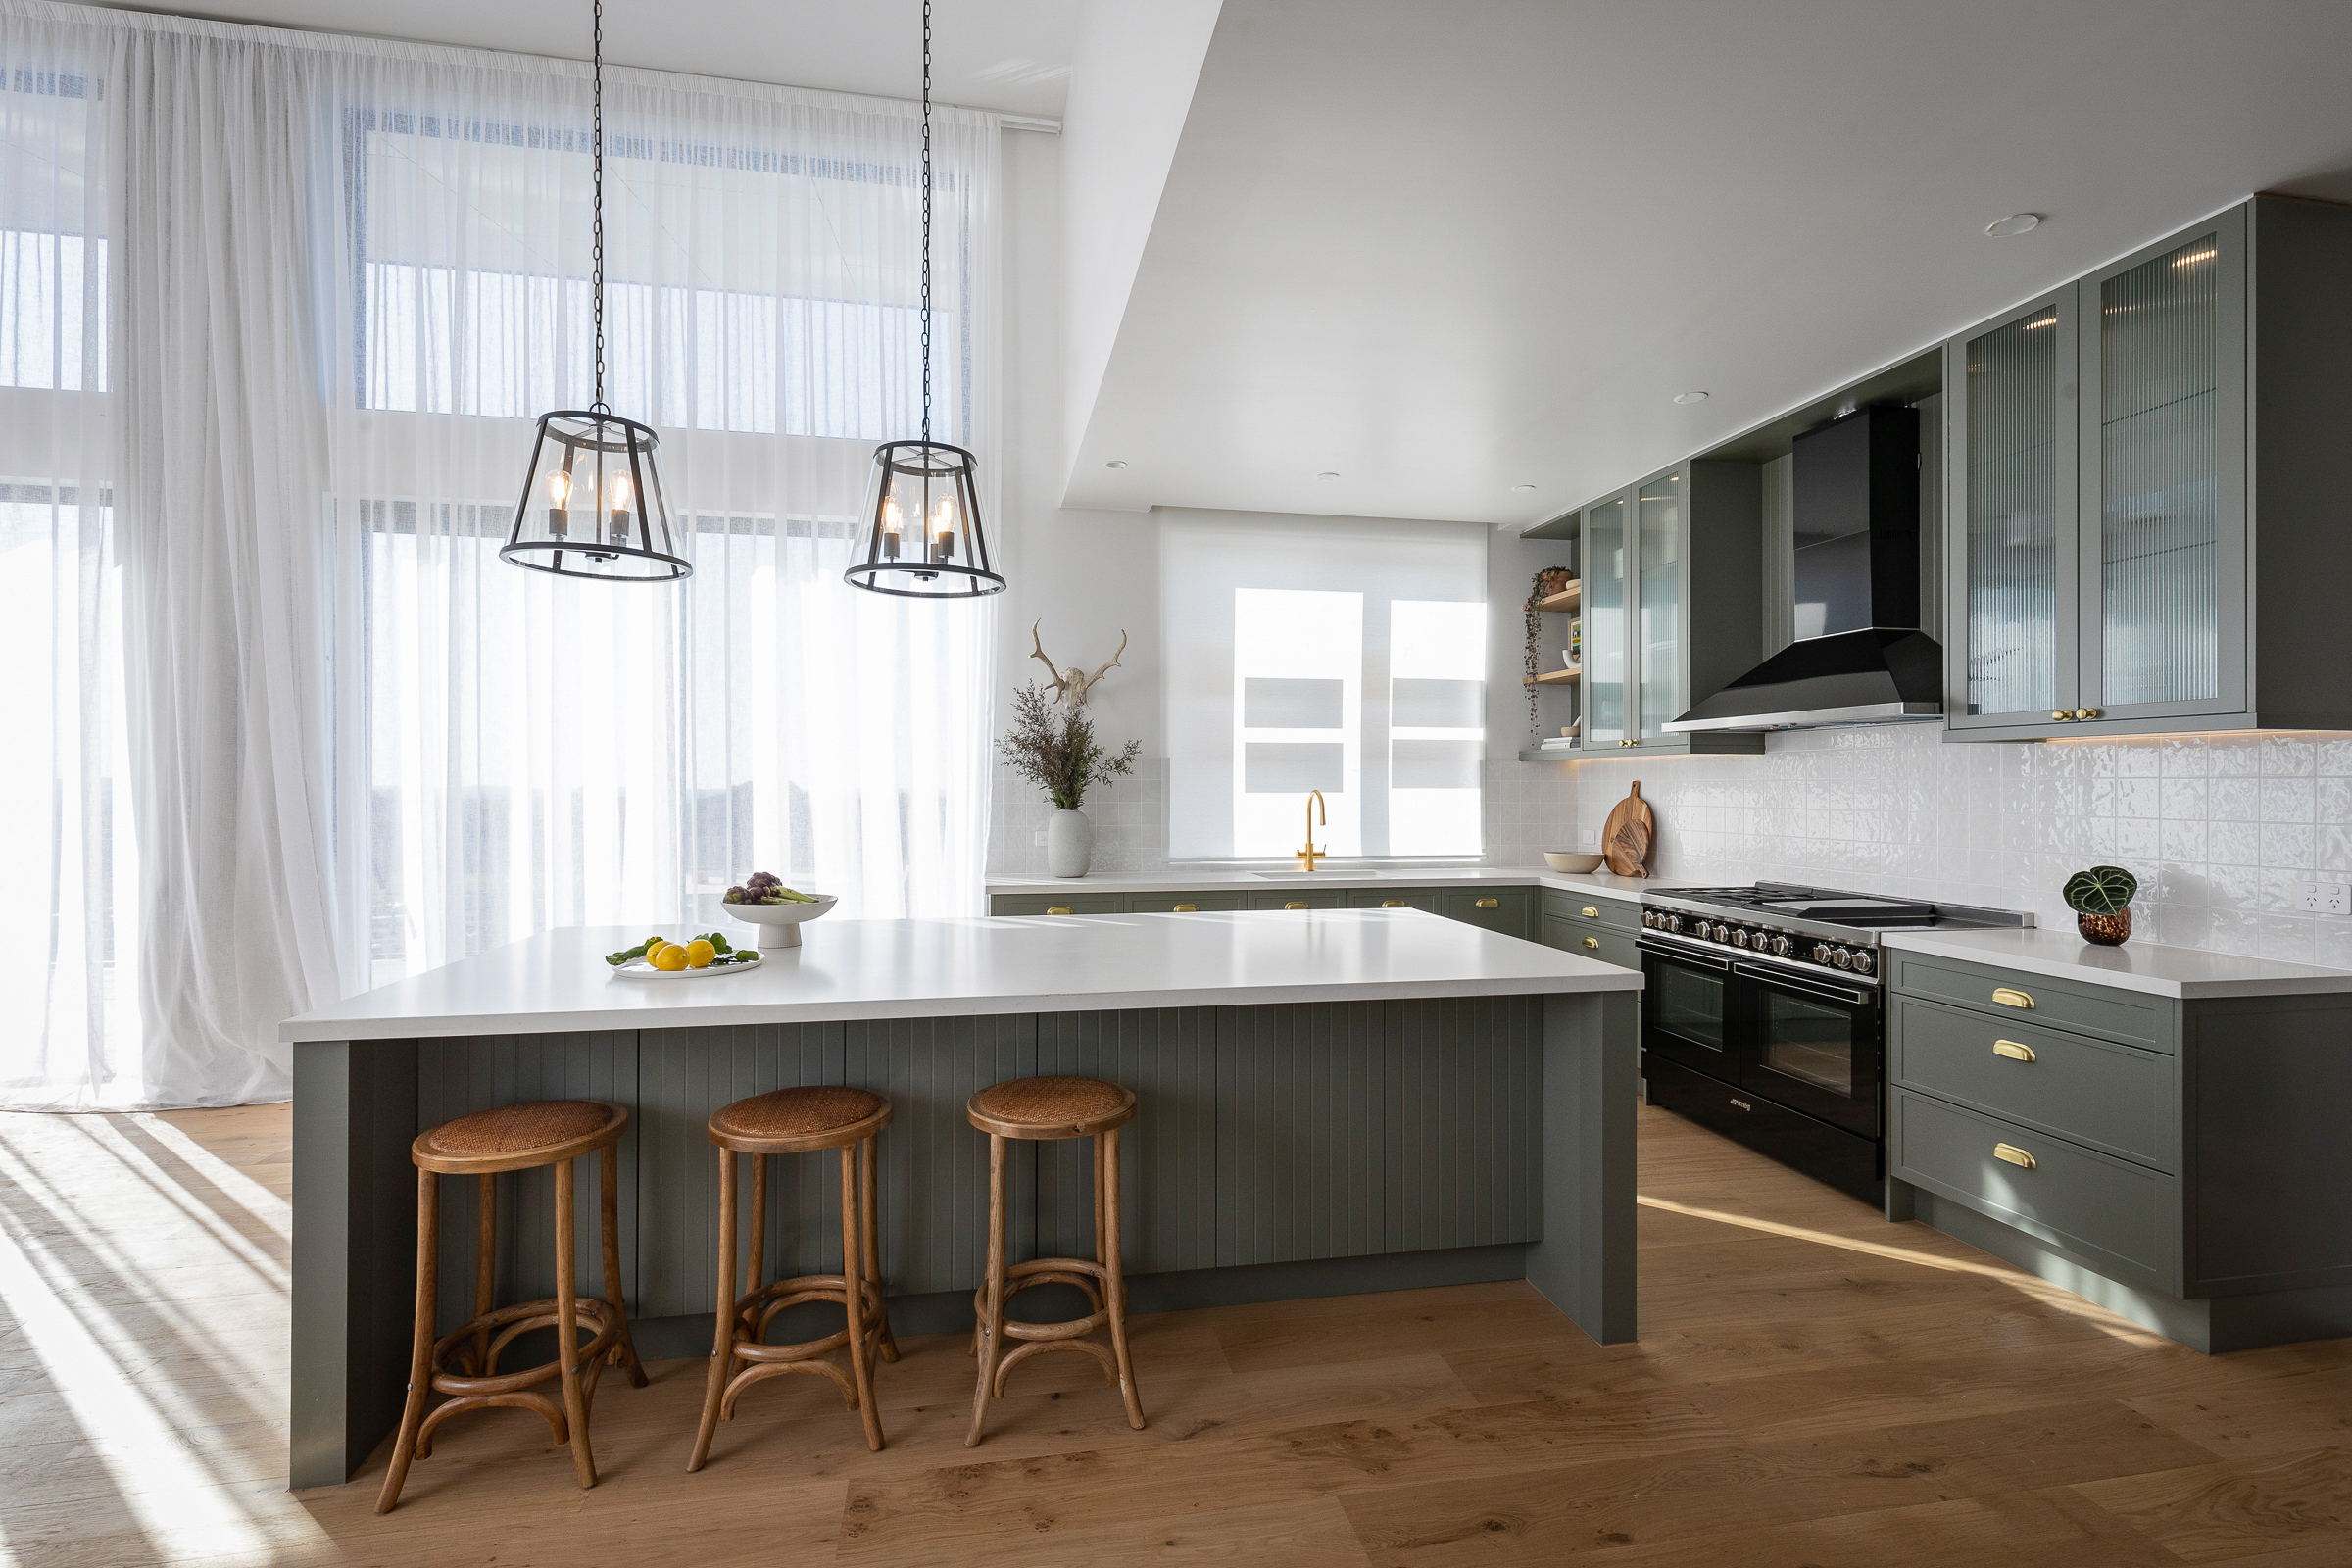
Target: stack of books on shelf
{"x":1558,"y":743}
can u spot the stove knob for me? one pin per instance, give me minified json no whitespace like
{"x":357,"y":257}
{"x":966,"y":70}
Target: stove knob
{"x":1648,"y":919}
{"x":1842,"y":957}
{"x":1672,"y":922}
{"x":1739,"y":937}
{"x":1863,"y":961}
{"x":1782,"y":946}
{"x":1822,"y":952}
{"x":1704,"y":930}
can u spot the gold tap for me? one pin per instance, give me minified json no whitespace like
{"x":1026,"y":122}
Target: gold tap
{"x":1308,"y":854}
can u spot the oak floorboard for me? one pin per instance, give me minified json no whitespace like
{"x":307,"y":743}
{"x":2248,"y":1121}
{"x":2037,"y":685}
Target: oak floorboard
{"x":1813,"y":1387}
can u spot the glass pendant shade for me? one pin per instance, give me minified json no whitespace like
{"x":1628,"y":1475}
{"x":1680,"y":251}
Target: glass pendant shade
{"x":592,"y":503}
{"x":926,"y":539}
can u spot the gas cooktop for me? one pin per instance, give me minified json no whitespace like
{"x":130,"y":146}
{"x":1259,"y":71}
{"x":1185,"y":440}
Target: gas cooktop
{"x":1808,"y":927}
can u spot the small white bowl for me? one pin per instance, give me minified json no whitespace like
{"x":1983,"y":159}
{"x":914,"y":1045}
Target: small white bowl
{"x":783,"y":920}
{"x":1562,"y":860}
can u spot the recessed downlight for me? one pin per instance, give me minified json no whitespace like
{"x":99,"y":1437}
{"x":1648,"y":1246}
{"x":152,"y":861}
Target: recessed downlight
{"x":1686,"y":399}
{"x":1116,"y":462}
{"x":1327,"y":475}
{"x":2014,"y":224}
{"x":1523,"y":489}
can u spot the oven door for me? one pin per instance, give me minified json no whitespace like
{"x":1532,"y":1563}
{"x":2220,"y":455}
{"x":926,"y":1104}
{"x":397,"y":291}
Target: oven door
{"x":1690,"y":1010}
{"x":1814,"y":1044}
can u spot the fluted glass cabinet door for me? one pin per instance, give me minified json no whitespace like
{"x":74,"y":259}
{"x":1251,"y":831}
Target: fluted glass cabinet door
{"x":2162,"y":510}
{"x":2014,"y":439}
{"x":1657,"y":589}
{"x":1604,"y":679}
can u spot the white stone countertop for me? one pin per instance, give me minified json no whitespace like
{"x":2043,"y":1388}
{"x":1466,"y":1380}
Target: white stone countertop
{"x":1600,"y":883}
{"x":854,"y":969}
{"x":2182,"y":973}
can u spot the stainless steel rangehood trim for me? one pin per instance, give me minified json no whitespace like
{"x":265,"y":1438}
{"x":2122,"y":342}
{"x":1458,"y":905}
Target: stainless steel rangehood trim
{"x":1873,"y":676}
{"x":1816,"y":718}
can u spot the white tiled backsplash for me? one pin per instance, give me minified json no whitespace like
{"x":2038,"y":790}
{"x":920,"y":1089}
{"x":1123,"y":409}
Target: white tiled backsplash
{"x":2220,"y":830}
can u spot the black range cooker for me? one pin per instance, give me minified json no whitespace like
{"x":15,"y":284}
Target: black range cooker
{"x":1762,"y":1017}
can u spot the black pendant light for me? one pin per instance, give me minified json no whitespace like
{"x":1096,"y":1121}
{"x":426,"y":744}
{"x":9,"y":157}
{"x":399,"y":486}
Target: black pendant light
{"x":924,"y":539}
{"x":592,"y":503}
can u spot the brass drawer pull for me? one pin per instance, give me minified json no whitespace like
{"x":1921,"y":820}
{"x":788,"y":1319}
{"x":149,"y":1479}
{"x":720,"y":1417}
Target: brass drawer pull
{"x":2013,"y":1154}
{"x":1294,"y":906}
{"x":1058,"y":908}
{"x":1592,"y":942}
{"x":1395,"y":904}
{"x":2011,"y":998}
{"x":1185,"y":908}
{"x":2014,"y":1049}
{"x":1589,"y":912}
{"x":1489,"y":903}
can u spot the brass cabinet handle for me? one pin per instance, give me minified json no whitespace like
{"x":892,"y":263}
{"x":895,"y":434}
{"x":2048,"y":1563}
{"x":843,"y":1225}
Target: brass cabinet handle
{"x":1058,"y":908}
{"x":2011,"y":998}
{"x":1294,"y":906}
{"x":2059,"y":716}
{"x":1489,"y":903}
{"x":2013,"y":1154}
{"x":2014,"y":1049}
{"x":1395,"y":904}
{"x":1592,"y":942}
{"x":1185,"y":908}
{"x":2086,"y":712}
{"x":1589,"y":912}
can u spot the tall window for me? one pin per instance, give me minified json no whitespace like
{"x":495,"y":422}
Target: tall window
{"x":1344,"y":657}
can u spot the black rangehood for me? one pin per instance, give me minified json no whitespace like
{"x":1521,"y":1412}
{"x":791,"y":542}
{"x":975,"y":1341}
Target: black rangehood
{"x":1859,"y":656}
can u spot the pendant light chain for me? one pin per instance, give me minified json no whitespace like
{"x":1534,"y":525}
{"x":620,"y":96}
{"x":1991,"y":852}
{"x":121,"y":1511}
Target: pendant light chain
{"x":926,"y":219}
{"x":598,"y":164}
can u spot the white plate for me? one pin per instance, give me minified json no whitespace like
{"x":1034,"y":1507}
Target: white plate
{"x":639,"y":969}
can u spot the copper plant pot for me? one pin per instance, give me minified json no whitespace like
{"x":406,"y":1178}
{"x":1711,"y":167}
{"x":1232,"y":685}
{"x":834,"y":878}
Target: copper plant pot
{"x":2106,"y":930}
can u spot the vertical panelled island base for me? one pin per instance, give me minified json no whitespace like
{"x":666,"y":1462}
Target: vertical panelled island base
{"x":1333,"y":1102}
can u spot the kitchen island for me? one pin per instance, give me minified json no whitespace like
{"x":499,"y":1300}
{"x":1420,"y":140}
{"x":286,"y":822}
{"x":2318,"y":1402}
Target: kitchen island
{"x":1332,"y":1101}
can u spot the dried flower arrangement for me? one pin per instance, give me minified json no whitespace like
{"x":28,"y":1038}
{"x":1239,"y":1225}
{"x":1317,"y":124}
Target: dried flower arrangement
{"x":1054,"y":747}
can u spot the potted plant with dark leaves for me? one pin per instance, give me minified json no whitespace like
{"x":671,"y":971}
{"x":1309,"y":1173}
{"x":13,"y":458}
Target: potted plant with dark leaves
{"x":2101,"y":899}
{"x":1053,"y":747}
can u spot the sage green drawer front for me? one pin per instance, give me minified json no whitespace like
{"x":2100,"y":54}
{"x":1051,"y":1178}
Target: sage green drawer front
{"x":1180,"y":903}
{"x":1423,"y":899}
{"x":1509,"y":911}
{"x":2121,"y":1218}
{"x":1061,"y":903}
{"x":1588,"y":941}
{"x":2120,"y":1099}
{"x":2123,"y":1016}
{"x":1296,"y":900}
{"x":1618,"y":914}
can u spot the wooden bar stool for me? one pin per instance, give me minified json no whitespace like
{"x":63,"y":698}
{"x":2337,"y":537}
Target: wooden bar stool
{"x":1041,"y":1108}
{"x":464,"y":1362}
{"x":799,"y":1121}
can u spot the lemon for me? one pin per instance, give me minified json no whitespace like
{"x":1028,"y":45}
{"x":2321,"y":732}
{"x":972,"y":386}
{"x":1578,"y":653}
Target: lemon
{"x":699,"y":954}
{"x":671,"y":957}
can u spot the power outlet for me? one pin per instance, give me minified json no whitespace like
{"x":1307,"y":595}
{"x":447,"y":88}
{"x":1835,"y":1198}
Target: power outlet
{"x":1587,"y":838}
{"x":2326,"y":897}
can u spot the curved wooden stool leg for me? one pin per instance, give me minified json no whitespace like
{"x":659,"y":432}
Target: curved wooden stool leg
{"x":1106,"y":1147}
{"x":722,"y":1347}
{"x":568,"y":1329}
{"x":420,"y":1358}
{"x":607,"y":1219}
{"x":869,"y":1205}
{"x":852,"y":1297}
{"x":990,"y":1329}
{"x":485,"y":1264}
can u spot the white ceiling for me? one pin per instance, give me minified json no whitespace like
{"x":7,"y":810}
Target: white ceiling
{"x":1447,"y":249}
{"x":1012,"y":55}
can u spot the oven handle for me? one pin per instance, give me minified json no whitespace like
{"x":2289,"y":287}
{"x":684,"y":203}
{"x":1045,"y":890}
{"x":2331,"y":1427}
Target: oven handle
{"x":1789,"y":982}
{"x":1697,"y":961}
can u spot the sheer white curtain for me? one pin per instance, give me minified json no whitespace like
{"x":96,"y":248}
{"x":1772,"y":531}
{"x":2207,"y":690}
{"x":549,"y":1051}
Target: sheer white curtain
{"x":362,"y":744}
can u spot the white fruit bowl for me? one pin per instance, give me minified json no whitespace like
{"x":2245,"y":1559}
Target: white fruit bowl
{"x":1565,"y":860}
{"x":783,"y":920}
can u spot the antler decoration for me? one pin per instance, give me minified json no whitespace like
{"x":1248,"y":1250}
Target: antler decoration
{"x":1071,"y":685}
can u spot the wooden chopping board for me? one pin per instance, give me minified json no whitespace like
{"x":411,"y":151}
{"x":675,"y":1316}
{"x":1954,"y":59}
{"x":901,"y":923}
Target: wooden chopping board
{"x":1625,"y":838}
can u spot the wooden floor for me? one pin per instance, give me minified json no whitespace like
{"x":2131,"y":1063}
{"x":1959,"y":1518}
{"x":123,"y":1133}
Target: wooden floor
{"x":1814,"y":1386}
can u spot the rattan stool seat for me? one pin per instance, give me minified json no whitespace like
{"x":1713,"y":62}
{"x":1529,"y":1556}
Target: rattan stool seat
{"x":1050,"y":1108}
{"x":535,"y":1132}
{"x":796,"y":1121}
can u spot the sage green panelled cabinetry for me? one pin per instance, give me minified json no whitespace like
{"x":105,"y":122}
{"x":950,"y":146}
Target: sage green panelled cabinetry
{"x":1511,"y":911}
{"x":2181,"y":1161}
{"x":1672,"y":603}
{"x":2146,"y":530}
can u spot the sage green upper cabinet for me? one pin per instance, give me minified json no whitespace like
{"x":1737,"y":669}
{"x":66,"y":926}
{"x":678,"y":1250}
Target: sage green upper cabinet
{"x":2146,"y":490}
{"x":1657,"y":623}
{"x":1605,"y":572}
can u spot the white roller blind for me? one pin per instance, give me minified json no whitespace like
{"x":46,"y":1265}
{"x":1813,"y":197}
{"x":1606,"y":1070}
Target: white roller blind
{"x":1345,"y":654}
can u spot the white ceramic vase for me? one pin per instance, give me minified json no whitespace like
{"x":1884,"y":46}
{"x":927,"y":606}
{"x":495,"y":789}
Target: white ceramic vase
{"x":1069,"y":844}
